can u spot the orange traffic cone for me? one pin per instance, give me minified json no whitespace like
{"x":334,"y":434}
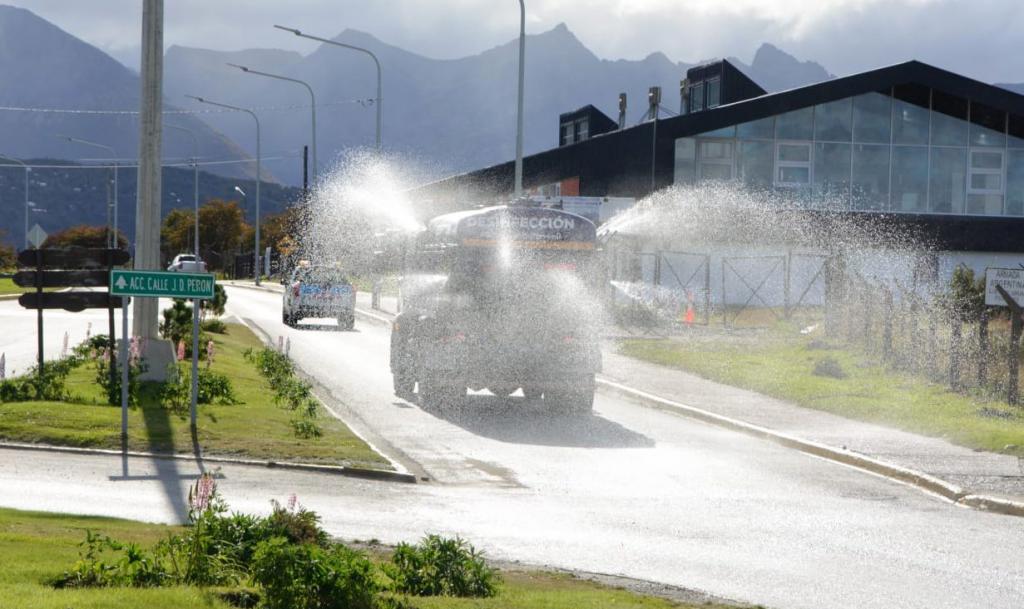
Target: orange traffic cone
{"x":688,"y":317}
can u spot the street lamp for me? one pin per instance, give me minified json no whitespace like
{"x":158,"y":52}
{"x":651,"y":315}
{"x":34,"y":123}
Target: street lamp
{"x":519,"y":114}
{"x":312,"y":98}
{"x":27,"y":169}
{"x":259,"y":158}
{"x":195,"y":177}
{"x":354,"y":48}
{"x":113,"y":235}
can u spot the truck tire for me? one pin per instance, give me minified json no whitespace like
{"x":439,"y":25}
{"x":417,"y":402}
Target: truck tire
{"x":405,"y":384}
{"x":577,"y":399}
{"x":346,"y":322}
{"x":441,"y":397}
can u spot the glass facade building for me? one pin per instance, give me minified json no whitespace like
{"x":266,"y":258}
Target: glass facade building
{"x":907,"y":149}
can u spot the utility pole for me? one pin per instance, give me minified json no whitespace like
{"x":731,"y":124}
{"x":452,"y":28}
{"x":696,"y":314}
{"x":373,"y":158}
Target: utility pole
{"x":147,"y":222}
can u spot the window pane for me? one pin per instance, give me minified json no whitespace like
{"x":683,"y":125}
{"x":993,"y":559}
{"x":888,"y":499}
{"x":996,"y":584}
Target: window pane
{"x":715,"y":171}
{"x":800,"y":153}
{"x":686,"y":155}
{"x":697,"y":97}
{"x":1015,"y":183}
{"x":714,"y":86}
{"x":832,"y":120}
{"x":794,"y":175}
{"x":987,"y":126}
{"x":986,"y":205}
{"x":757,"y":160}
{"x":759,"y":129}
{"x":910,"y":123}
{"x":567,"y":134}
{"x":986,"y":181}
{"x":949,"y":120}
{"x":986,"y":160}
{"x":909,"y":178}
{"x":870,"y":184}
{"x":832,"y":174}
{"x":871,"y":118}
{"x":715,"y":150}
{"x":949,"y":174}
{"x":795,"y":125}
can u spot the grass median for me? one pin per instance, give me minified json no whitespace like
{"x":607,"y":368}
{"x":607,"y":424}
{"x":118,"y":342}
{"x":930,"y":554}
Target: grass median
{"x":255,"y":427}
{"x":814,"y":374}
{"x":36,"y":548}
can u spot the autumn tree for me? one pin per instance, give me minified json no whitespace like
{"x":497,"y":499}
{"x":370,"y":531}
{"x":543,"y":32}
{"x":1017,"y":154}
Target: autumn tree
{"x":8,"y":256}
{"x":83,"y":236}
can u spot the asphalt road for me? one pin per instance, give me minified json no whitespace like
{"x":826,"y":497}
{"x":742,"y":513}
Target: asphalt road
{"x":629,"y":491}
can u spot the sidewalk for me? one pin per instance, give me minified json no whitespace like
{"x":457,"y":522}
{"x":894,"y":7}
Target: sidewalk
{"x":976,"y":472}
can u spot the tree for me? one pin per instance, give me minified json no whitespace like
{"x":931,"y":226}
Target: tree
{"x":8,"y":256}
{"x":221,"y":230}
{"x":83,"y":236}
{"x":176,"y":233}
{"x":966,"y":298}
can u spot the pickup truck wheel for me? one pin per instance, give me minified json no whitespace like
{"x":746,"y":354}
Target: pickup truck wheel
{"x":346,"y":322}
{"x":575,"y":400}
{"x":405,"y":384}
{"x":441,"y":397}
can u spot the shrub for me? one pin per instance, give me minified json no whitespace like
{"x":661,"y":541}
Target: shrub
{"x":214,"y":388}
{"x":439,"y":566}
{"x":308,"y":576}
{"x":51,"y":385}
{"x":289,"y":392}
{"x":305,"y":428}
{"x":829,"y":367}
{"x":295,"y":523}
{"x":214,"y":325}
{"x":177,"y":323}
{"x":134,"y":567}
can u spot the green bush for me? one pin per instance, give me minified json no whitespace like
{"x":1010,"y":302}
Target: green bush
{"x":214,"y":388}
{"x":439,"y":566}
{"x":308,"y":576}
{"x":134,"y":567}
{"x":177,"y":323}
{"x":214,"y":325}
{"x":289,"y":391}
{"x":51,"y":385}
{"x":305,"y":428}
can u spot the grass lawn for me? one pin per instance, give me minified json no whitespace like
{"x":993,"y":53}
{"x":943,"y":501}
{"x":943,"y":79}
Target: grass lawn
{"x":783,"y":368}
{"x":36,"y":547}
{"x":7,"y":287}
{"x":254,"y":428}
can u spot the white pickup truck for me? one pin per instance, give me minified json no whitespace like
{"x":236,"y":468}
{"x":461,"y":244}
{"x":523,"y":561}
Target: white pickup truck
{"x":187,"y":263}
{"x":319,"y":291}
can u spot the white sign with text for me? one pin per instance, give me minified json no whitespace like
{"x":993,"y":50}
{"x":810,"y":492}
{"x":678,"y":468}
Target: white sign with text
{"x":1011,"y":280}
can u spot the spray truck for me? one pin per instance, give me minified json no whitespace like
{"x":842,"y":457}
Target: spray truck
{"x":498,"y":298}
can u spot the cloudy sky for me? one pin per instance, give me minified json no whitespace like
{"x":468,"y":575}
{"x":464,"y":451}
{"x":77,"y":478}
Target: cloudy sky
{"x":978,"y":38}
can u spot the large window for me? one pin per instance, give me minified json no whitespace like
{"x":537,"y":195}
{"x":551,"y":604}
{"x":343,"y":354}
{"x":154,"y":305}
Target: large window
{"x":568,"y":133}
{"x":1015,"y":183}
{"x":582,"y":129}
{"x":948,"y":184}
{"x":988,"y":126}
{"x":872,"y":118}
{"x":757,"y":161}
{"x":985,"y":182}
{"x":949,"y":120}
{"x":763,"y":129}
{"x":910,"y":178}
{"x":832,"y":174}
{"x":792,"y":164}
{"x":795,"y":125}
{"x":910,"y":114}
{"x":870,"y":183}
{"x":716,"y":159}
{"x":686,"y":159}
{"x":832,"y":121}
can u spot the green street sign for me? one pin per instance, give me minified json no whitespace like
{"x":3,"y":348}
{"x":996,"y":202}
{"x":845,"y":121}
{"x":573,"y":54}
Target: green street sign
{"x":162,"y":284}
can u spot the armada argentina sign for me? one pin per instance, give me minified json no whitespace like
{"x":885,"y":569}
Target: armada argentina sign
{"x":162,"y":284}
{"x":1011,"y":280}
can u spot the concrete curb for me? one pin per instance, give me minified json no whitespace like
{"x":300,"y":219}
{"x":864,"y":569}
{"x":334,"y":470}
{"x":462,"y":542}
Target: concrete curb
{"x":914,"y":478}
{"x":9,"y":297}
{"x":341,"y":470}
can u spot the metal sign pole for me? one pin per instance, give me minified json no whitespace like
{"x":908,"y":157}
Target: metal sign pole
{"x":124,"y":367}
{"x":195,"y":360}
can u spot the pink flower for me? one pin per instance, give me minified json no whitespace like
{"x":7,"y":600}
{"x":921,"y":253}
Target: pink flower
{"x":200,"y":495}
{"x":292,"y":502}
{"x":181,"y":350}
{"x":209,"y":353}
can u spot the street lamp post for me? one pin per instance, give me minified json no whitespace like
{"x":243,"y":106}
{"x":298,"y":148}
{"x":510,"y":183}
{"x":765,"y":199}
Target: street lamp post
{"x":312,"y":98}
{"x":376,"y":61}
{"x":27,"y":169}
{"x":519,"y":113}
{"x":195,"y":178}
{"x":259,"y":159}
{"x":113,"y":232}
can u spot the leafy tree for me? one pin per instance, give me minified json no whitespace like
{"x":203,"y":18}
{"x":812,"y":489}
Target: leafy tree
{"x":176,"y":233}
{"x":8,"y":256}
{"x":966,"y":297}
{"x":84,"y":236}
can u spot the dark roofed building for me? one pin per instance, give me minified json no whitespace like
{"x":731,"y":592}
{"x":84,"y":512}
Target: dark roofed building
{"x":917,"y":143}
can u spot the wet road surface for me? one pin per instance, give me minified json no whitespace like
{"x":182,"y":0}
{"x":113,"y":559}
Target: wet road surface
{"x":629,"y":491}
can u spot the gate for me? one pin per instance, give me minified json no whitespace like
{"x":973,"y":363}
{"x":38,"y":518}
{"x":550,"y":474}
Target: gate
{"x":755,"y":275}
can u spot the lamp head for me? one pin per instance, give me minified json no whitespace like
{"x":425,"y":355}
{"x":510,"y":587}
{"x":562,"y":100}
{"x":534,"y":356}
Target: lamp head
{"x":198,"y":99}
{"x":235,"y":65}
{"x":289,"y":29}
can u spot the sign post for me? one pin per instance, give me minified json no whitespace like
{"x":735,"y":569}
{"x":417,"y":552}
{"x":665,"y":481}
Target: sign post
{"x":165,"y":284}
{"x":1005,"y":288}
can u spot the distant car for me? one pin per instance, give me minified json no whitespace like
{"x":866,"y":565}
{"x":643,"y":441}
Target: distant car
{"x":319,"y":291}
{"x":187,"y":263}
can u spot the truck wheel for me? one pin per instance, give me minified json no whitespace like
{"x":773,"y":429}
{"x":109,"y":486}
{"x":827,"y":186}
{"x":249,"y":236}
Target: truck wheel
{"x":436,"y":396}
{"x":532,"y":393}
{"x":346,"y":322}
{"x":576,"y":399}
{"x":405,"y":385}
